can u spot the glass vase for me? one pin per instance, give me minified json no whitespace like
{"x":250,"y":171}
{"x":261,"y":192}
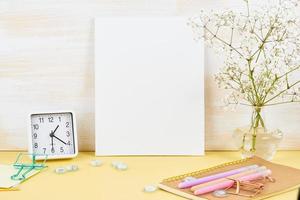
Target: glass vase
{"x":255,"y":139}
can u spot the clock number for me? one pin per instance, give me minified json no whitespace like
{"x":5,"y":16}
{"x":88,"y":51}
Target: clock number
{"x":68,"y":134}
{"x":35,"y":126}
{"x":36,"y":145}
{"x":52,"y":150}
{"x":34,"y":136}
{"x":69,"y":143}
{"x":41,"y":120}
{"x":59,"y":118}
{"x":61,"y":150}
{"x":44,"y":150}
{"x":50,"y":119}
{"x":67,"y":124}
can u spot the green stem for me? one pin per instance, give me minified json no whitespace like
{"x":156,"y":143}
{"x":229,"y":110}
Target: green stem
{"x":279,"y":103}
{"x":251,"y":77}
{"x":274,"y":97}
{"x":257,"y":122}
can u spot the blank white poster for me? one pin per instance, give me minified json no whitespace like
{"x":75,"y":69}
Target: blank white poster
{"x":149,"y":87}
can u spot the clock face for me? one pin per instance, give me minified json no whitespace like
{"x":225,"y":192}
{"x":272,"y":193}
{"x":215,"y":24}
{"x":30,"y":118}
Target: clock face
{"x":53,"y":134}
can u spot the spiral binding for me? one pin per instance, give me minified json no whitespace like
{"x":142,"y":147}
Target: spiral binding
{"x":200,"y":172}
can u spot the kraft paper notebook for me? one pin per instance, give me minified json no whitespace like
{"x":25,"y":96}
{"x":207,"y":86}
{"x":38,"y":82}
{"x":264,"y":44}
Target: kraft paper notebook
{"x":287,"y":178}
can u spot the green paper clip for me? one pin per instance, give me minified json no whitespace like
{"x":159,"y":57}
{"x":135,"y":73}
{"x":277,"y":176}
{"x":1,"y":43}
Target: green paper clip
{"x":27,"y":167}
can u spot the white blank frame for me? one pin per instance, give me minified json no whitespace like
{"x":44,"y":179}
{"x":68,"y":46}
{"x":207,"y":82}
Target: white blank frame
{"x":149,"y":87}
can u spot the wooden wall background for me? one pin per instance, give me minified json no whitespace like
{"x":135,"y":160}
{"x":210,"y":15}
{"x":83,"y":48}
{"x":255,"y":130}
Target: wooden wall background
{"x":46,"y":63}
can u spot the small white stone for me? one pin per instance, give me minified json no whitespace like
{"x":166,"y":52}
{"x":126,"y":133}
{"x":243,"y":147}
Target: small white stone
{"x":96,"y":163}
{"x":150,"y":188}
{"x":114,"y":164}
{"x":72,"y":168}
{"x":60,"y":170}
{"x":189,"y":178}
{"x":220,"y":193}
{"x":121,"y":166}
{"x":69,"y":168}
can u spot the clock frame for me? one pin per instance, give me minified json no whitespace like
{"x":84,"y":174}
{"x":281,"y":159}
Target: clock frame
{"x":40,"y":156}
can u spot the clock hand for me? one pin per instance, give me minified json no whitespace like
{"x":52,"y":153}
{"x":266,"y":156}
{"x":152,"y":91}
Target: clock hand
{"x":52,"y":143}
{"x":55,"y":129}
{"x":52,"y":132}
{"x":51,"y":135}
{"x":59,"y":139}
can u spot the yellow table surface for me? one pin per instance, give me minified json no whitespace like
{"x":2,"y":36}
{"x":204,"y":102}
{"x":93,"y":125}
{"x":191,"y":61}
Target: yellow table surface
{"x":106,"y":183}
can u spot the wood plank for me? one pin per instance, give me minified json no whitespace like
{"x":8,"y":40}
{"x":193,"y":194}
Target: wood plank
{"x":46,"y":63}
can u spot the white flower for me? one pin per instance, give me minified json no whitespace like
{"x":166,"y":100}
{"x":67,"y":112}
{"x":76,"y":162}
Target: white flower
{"x":261,"y":51}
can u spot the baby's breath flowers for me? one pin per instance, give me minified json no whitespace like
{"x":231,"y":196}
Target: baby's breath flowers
{"x":262,"y":54}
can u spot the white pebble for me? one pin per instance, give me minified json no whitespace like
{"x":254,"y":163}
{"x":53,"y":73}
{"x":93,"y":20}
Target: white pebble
{"x":150,"y":188}
{"x":121,"y":166}
{"x":60,"y":170}
{"x":114,"y":164}
{"x":220,"y":193}
{"x":96,"y":163}
{"x":72,"y":168}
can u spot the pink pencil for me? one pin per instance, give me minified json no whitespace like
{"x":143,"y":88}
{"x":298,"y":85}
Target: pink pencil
{"x":229,"y":183}
{"x":215,"y":176}
{"x":233,"y":177}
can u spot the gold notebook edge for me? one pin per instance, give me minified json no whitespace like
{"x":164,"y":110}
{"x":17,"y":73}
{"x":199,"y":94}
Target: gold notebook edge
{"x":202,"y":171}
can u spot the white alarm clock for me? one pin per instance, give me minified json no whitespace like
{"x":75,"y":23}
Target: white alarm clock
{"x":52,"y":134}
